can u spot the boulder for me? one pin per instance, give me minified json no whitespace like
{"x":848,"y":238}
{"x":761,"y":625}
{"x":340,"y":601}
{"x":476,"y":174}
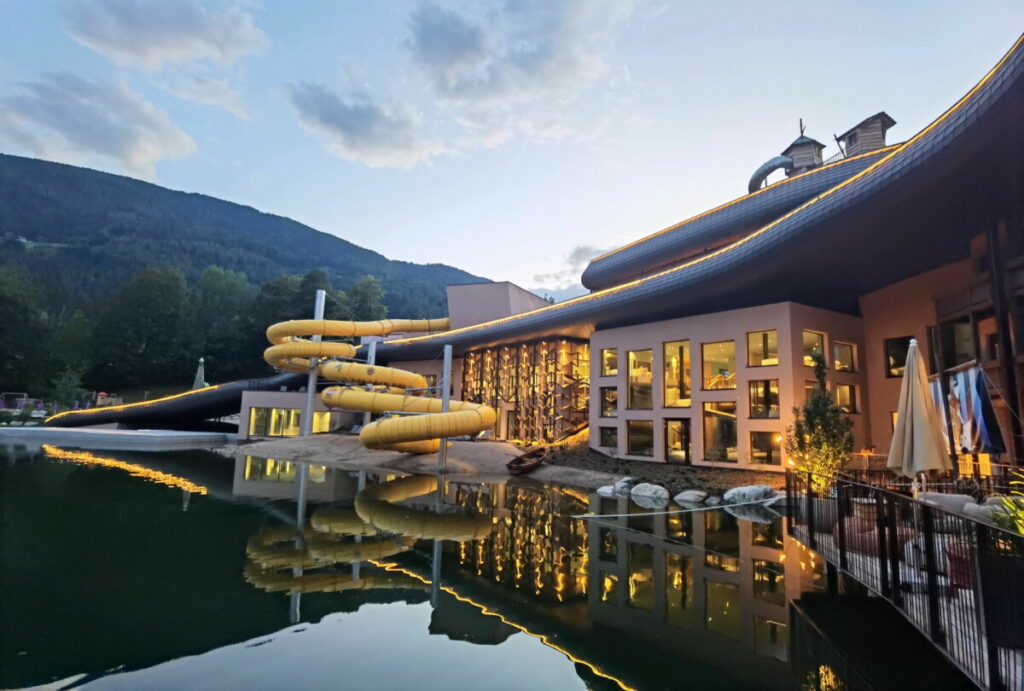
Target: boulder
{"x":690,"y":496}
{"x":713,"y":501}
{"x":607,"y":491}
{"x":623,"y":486}
{"x":753,"y":512}
{"x":749,"y":493}
{"x":649,"y":496}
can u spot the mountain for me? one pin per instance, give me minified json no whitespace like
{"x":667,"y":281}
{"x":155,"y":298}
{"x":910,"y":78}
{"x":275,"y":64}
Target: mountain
{"x":90,"y":231}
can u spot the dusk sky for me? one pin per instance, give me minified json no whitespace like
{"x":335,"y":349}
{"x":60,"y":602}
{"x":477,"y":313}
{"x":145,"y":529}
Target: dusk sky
{"x":514,"y":140}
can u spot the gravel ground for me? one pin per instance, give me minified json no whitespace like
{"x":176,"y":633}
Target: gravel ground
{"x":675,"y":478}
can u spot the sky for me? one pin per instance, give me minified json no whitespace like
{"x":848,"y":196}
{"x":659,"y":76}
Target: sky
{"x":514,"y":139}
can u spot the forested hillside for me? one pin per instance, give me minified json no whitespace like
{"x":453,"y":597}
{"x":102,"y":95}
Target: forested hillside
{"x":91,"y":231}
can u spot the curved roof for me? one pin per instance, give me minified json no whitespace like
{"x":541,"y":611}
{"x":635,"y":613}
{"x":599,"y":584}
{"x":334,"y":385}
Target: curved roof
{"x":717,"y":226}
{"x":913,"y":209}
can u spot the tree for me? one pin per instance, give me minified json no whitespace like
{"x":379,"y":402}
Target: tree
{"x":821,"y":436}
{"x":219,"y":305}
{"x":367,"y":299}
{"x":23,"y":329}
{"x":72,"y":345}
{"x":66,"y":388}
{"x":139,"y":340}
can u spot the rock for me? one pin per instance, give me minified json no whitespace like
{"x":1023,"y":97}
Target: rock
{"x":607,"y":491}
{"x":753,"y":512}
{"x":778,"y":502}
{"x":690,"y":496}
{"x":692,"y":505}
{"x":713,"y":501}
{"x":742,"y":495}
{"x":623,"y":486}
{"x":649,"y":496}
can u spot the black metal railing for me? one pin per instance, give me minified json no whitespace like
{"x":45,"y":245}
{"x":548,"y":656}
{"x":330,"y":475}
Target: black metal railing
{"x":960,"y":581}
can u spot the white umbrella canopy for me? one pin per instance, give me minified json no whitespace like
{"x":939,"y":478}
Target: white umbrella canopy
{"x":200,"y":381}
{"x":918,"y":445}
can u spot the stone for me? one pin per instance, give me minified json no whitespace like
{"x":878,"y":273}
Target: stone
{"x":753,"y":512}
{"x":713,"y":501}
{"x":649,"y":496}
{"x":749,"y":493}
{"x":623,"y":486}
{"x":607,"y":491}
{"x":690,"y":496}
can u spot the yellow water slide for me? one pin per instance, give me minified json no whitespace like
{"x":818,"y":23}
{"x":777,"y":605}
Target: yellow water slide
{"x":420,"y":423}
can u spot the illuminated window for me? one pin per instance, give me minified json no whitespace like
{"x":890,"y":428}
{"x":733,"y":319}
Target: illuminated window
{"x":844,"y":357}
{"x":640,"y":437}
{"x":809,"y":388}
{"x":638,"y":396}
{"x":814,"y":344}
{"x":722,"y":609}
{"x":284,"y":422}
{"x":609,"y":544}
{"x":766,"y":534}
{"x":896,"y":355}
{"x":677,"y":441}
{"x":720,"y":431}
{"x":719,"y":365}
{"x":609,"y":588}
{"x":609,"y":437}
{"x":640,"y":562}
{"x":679,"y":590}
{"x":762,"y":348}
{"x":609,"y":401}
{"x":846,"y":397}
{"x":677,"y":374}
{"x":721,"y":541}
{"x":769,"y":582}
{"x":273,"y":470}
{"x":771,"y":639}
{"x":609,"y":362}
{"x":893,"y":417}
{"x":764,"y":398}
{"x":766,"y":448}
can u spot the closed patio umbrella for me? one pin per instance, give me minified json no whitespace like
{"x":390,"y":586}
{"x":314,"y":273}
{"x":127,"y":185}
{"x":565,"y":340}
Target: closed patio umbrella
{"x":918,"y":445}
{"x":200,"y":381}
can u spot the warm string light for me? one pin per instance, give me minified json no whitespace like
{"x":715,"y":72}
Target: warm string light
{"x":133,"y":469}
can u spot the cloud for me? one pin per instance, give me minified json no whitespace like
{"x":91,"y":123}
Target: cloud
{"x":359,"y":128}
{"x":66,"y":117}
{"x":566,"y":280}
{"x":208,"y":91}
{"x":150,"y":34}
{"x":519,"y":68}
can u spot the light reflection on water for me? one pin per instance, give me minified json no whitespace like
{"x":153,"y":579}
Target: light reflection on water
{"x":642,"y":600}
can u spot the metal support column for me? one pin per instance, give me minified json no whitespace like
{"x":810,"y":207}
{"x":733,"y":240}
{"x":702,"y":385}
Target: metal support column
{"x":306,"y":422}
{"x":371,"y":360}
{"x":446,"y":389}
{"x":1007,"y":358}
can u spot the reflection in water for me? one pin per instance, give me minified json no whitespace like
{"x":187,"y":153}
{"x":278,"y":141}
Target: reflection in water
{"x":133,"y":469}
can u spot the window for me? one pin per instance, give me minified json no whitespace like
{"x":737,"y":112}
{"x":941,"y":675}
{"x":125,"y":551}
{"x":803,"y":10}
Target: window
{"x":722,"y":610}
{"x":677,"y":441}
{"x":844,"y":357}
{"x":719,"y":365}
{"x":640,"y":380}
{"x":766,"y":448}
{"x":814,"y":343}
{"x":720,"y":431}
{"x":609,"y":401}
{"x":769,"y":582}
{"x":771,"y":638}
{"x":640,"y":437}
{"x":678,"y":590}
{"x":284,"y":422}
{"x":762,"y":348}
{"x":893,"y":417}
{"x":609,"y":437}
{"x":640,"y":562}
{"x":846,"y":397}
{"x":896,"y":356}
{"x":609,"y":544}
{"x":764,"y":398}
{"x":677,"y":374}
{"x":609,"y":588}
{"x":609,"y":362}
{"x":809,"y":388}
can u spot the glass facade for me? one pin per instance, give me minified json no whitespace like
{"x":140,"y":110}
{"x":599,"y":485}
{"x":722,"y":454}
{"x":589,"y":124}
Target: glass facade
{"x":896,"y":356}
{"x":763,"y":348}
{"x":846,"y":397}
{"x":609,"y":437}
{"x":640,"y":437}
{"x":609,"y":401}
{"x":814,"y":344}
{"x":284,"y":422}
{"x":609,"y":362}
{"x":764,"y":398}
{"x":677,"y":374}
{"x":640,"y":561}
{"x":679,"y":590}
{"x":677,"y":441}
{"x":720,"y":432}
{"x":766,"y":448}
{"x":641,"y":366}
{"x":844,"y":357}
{"x":719,"y":365}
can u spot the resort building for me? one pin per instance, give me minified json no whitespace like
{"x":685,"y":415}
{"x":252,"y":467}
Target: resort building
{"x":697,"y":341}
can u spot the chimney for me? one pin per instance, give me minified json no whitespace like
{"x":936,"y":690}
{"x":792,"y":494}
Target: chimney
{"x":867,"y":135}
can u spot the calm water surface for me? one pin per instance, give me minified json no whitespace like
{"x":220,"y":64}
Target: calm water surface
{"x":158,"y":571}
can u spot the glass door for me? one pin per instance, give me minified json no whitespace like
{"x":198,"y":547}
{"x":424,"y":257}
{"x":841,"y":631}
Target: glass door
{"x":677,"y":441}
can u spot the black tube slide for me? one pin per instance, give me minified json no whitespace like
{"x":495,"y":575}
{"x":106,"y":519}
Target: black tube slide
{"x":180,"y":411}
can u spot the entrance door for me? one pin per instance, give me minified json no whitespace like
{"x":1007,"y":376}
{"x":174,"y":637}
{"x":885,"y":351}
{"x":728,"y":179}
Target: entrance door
{"x":677,"y":441}
{"x":511,"y":425}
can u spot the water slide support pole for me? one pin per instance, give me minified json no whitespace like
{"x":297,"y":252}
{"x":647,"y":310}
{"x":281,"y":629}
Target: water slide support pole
{"x":371,"y":360}
{"x":446,"y":389}
{"x":307,"y":413}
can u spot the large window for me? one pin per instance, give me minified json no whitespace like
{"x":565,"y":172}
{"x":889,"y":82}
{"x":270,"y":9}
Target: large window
{"x":896,"y":355}
{"x":766,"y":448}
{"x":764,"y":398}
{"x":677,"y":374}
{"x":609,"y":437}
{"x":814,"y":344}
{"x":609,"y":362}
{"x":678,"y":590}
{"x":609,"y":401}
{"x":284,"y":422}
{"x":719,"y":365}
{"x":641,"y":368}
{"x":846,"y":397}
{"x":763,"y":348}
{"x":844,"y":357}
{"x":720,"y":431}
{"x":677,"y":441}
{"x":640,"y":437}
{"x":640,"y":562}
{"x":769,"y":581}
